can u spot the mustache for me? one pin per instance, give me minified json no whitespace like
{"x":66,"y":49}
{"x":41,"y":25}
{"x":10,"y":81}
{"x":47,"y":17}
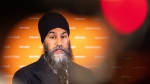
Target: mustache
{"x":67,"y":51}
{"x":60,"y":47}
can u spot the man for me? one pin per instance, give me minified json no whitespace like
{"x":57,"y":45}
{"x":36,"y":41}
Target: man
{"x":55,"y":66}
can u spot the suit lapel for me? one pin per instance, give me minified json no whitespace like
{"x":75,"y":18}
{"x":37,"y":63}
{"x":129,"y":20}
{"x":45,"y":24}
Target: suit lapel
{"x":47,"y":77}
{"x":44,"y":73}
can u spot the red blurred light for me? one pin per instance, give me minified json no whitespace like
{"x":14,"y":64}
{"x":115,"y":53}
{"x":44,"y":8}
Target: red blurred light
{"x":125,"y":16}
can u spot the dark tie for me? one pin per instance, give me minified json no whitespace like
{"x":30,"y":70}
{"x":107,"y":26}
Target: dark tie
{"x":62,"y":76}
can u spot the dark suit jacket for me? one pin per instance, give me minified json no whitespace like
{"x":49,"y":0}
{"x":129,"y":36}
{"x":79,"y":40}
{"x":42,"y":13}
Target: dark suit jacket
{"x":39,"y":73}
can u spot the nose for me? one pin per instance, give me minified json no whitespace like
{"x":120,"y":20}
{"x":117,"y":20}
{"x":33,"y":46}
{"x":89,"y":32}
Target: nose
{"x":58,"y":41}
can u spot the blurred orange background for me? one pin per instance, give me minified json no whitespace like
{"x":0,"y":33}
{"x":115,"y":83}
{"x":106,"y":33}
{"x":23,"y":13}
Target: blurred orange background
{"x":89,"y":41}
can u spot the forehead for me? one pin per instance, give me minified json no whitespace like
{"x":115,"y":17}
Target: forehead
{"x":58,"y":31}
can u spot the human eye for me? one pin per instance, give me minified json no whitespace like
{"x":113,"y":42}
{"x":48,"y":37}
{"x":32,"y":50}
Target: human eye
{"x":64,"y":36}
{"x":52,"y":37}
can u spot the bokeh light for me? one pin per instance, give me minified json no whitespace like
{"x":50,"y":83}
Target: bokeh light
{"x":89,"y":41}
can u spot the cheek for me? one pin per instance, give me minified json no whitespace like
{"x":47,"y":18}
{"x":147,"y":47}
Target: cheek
{"x":65,"y":43}
{"x":49,"y":44}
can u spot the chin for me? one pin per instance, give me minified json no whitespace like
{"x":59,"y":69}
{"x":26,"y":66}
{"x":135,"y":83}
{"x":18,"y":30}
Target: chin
{"x":59,"y":57}
{"x":58,"y":53}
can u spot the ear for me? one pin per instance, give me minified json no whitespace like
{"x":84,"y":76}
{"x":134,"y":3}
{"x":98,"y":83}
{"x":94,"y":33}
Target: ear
{"x":44,"y":46}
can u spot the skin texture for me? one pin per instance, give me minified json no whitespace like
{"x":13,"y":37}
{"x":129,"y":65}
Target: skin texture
{"x":55,"y":37}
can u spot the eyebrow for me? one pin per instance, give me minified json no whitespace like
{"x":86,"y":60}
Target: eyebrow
{"x":64,"y":32}
{"x":51,"y":32}
{"x":55,"y":32}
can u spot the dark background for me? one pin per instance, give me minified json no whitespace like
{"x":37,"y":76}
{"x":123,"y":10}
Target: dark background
{"x":11,"y":11}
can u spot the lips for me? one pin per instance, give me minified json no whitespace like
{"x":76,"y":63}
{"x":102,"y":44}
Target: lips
{"x":59,"y":51}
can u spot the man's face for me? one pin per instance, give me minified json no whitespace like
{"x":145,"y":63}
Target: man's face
{"x":57,"y":37}
{"x":57,"y":46}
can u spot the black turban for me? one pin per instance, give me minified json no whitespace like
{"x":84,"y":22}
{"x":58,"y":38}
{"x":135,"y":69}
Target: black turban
{"x":50,"y":21}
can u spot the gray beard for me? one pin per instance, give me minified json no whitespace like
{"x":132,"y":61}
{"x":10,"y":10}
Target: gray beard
{"x":58,"y":61}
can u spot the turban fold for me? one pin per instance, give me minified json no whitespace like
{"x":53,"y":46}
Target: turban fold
{"x":50,"y":21}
